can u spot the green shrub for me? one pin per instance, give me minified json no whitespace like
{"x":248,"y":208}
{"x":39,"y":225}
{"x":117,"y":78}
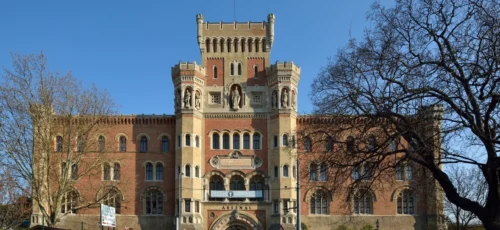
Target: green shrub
{"x":367,"y":227}
{"x":303,"y":226}
{"x":343,"y":227}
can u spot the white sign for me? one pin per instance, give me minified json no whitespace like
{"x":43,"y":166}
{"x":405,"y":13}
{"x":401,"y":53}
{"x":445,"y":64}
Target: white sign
{"x":235,"y":194}
{"x":108,"y":216}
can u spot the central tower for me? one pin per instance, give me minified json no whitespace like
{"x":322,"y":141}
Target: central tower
{"x":236,"y":122}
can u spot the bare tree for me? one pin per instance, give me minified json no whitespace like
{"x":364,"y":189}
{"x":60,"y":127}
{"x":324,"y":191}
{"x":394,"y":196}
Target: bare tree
{"x":469,"y":184}
{"x":427,"y":73}
{"x":48,"y":133}
{"x":15,"y":204}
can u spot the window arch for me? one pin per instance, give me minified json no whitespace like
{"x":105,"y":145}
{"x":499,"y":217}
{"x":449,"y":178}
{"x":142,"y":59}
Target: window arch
{"x":106,"y":171}
{"x":255,"y":72}
{"x":188,"y":139}
{"x":323,"y":172}
{"x":215,"y":141}
{"x":144,"y":144}
{"x":285,"y":140}
{"x":229,"y":41}
{"x":236,"y":141}
{"x":69,"y":202}
{"x":215,"y":72}
{"x":149,"y":171}
{"x":214,"y":43}
{"x":307,"y":144}
{"x":197,"y":140}
{"x":159,"y":171}
{"x":232,"y":68}
{"x":123,"y":144}
{"x":276,"y":171}
{"x":101,"y":142}
{"x":256,"y":141}
{"x":59,"y":143}
{"x":112,"y":197}
{"x":313,"y":168}
{"x":406,"y":202}
{"x":285,"y":171}
{"x":237,"y":183}
{"x":239,"y":69}
{"x":216,"y":184}
{"x":236,"y":45}
{"x":404,"y":171}
{"x":164,"y":144}
{"x":243,"y":43}
{"x":116,"y":171}
{"x":188,"y":171}
{"x":246,"y":141}
{"x":250,"y":44}
{"x":153,"y":202}
{"x":207,"y":45}
{"x":350,"y":147}
{"x":275,"y":141}
{"x":222,"y":44}
{"x":363,"y":203}
{"x":319,"y":203}
{"x":257,"y":183}
{"x":225,"y":141}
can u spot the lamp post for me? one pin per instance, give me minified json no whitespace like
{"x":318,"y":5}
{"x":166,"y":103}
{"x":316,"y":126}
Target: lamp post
{"x":298,"y":195}
{"x":178,"y":225}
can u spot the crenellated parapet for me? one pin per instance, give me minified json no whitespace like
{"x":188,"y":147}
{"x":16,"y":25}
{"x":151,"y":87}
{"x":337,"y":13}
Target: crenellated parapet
{"x":235,"y":37}
{"x":283,"y":72}
{"x":188,"y":72}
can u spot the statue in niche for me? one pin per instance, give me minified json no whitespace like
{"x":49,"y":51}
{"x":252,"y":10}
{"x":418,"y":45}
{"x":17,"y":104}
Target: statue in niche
{"x":177,"y":100}
{"x":235,"y":98}
{"x":197,"y":100}
{"x":187,"y":99}
{"x":284,"y":98}
{"x":293,"y":99}
{"x":274,"y":99}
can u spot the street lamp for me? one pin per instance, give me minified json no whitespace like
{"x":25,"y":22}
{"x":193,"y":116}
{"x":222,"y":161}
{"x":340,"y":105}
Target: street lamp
{"x":178,"y":225}
{"x":377,"y":224}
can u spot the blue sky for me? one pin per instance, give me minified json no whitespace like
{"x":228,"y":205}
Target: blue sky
{"x":129,"y":47}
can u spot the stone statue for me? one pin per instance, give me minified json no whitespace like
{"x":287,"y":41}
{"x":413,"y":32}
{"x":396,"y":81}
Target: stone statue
{"x":187,"y":99}
{"x":197,"y":99}
{"x":177,"y":100}
{"x":235,"y":97}
{"x":284,"y":99}
{"x":275,"y":100}
{"x":293,"y":100}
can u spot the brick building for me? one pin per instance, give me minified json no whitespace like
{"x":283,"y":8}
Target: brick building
{"x":231,"y":143}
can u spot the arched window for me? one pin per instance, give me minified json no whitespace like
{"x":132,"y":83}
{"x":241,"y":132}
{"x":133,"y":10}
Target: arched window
{"x":222,"y":45}
{"x":79,"y":144}
{"x":101,"y":143}
{"x":197,"y":140}
{"x":257,"y":45}
{"x":214,"y":43}
{"x":149,"y":171}
{"x":256,"y":141}
{"x":406,"y":202}
{"x":153,"y":202}
{"x":328,"y":144}
{"x":116,"y":171}
{"x":257,"y":184}
{"x":236,"y":141}
{"x":112,"y":197}
{"x":404,"y":171}
{"x":313,"y":168}
{"x":229,"y":45}
{"x":237,"y":183}
{"x":197,"y":172}
{"x":159,"y":171}
{"x":239,"y":69}
{"x":232,"y":68}
{"x":106,"y":171}
{"x":243,"y":43}
{"x":255,"y":72}
{"x":207,"y":45}
{"x":246,"y":141}
{"x":188,"y":171}
{"x":371,"y":144}
{"x":188,"y":140}
{"x":263,"y":45}
{"x":215,"y":141}
{"x":362,"y":203}
{"x":285,"y":171}
{"x":69,"y":202}
{"x":307,"y":144}
{"x":409,"y":172}
{"x":164,"y":144}
{"x":322,"y":172}
{"x":350,"y":147}
{"x":215,"y":72}
{"x":225,"y":141}
{"x":235,"y":45}
{"x":276,"y":171}
{"x":123,"y":144}
{"x":250,"y":44}
{"x":59,"y":144}
{"x":144,"y":144}
{"x":285,"y":140}
{"x":319,"y":203}
{"x":216,"y":184}
{"x":275,"y":141}
{"x":74,"y":172}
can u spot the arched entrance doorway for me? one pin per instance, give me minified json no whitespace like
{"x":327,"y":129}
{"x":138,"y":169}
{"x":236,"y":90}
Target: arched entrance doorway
{"x":236,"y":221}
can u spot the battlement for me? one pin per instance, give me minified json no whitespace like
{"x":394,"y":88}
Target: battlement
{"x":192,"y":66}
{"x":283,"y":66}
{"x":216,"y":37}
